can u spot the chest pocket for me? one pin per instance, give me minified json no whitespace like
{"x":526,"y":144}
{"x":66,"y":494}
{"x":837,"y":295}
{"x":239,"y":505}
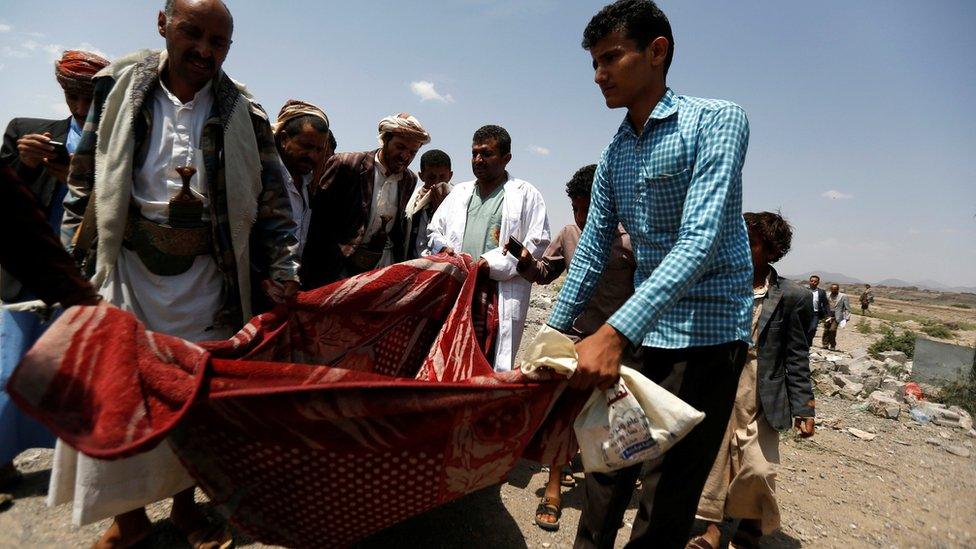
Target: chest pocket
{"x":666,"y":199}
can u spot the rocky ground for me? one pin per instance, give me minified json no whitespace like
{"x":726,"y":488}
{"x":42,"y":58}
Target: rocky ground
{"x":871,"y":477}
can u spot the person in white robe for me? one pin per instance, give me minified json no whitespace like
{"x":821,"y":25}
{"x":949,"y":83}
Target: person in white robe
{"x":479,"y":216}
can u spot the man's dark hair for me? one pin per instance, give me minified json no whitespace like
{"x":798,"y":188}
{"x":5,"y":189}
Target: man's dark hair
{"x":640,"y":20}
{"x":581,"y":184}
{"x":434,"y":158}
{"x":498,"y":133}
{"x":332,"y":142}
{"x":775,"y":232}
{"x":297,"y":125}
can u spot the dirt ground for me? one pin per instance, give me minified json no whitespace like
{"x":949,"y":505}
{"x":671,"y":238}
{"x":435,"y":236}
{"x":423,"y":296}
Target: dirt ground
{"x":835,"y":490}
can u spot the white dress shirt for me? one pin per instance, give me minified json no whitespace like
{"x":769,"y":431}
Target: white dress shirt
{"x":384,"y":204}
{"x":300,"y":210}
{"x":182,"y":305}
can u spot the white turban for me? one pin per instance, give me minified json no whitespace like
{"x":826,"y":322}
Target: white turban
{"x":405,"y":125}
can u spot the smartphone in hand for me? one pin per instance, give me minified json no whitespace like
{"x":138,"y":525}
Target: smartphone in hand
{"x":61,"y":155}
{"x":515,"y":247}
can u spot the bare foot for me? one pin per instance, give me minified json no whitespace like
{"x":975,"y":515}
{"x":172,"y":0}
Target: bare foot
{"x":126,"y":530}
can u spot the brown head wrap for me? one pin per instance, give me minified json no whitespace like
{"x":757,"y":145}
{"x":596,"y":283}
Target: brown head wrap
{"x":294,"y":108}
{"x":75,"y":70}
{"x":406,"y":125}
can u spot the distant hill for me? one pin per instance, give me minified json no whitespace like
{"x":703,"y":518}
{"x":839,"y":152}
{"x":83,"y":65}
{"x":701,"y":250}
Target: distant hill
{"x":827,"y":277}
{"x":898,"y":283}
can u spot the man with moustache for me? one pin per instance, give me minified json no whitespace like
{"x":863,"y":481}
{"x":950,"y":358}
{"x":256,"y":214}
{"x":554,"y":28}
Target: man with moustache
{"x":302,"y":136}
{"x":479,"y":216}
{"x":358,"y":203}
{"x":188,"y":181}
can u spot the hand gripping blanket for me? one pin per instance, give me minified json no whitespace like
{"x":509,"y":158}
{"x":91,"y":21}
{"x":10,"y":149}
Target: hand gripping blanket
{"x":370,"y":394}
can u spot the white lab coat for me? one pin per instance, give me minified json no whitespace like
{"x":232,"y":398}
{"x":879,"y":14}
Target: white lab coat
{"x":524,"y":217}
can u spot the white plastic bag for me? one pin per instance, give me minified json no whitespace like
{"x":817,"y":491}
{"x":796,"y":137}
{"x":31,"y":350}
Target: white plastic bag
{"x":632,"y":422}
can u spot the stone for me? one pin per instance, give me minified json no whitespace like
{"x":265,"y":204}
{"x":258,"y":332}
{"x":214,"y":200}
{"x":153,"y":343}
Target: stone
{"x":863,"y":435}
{"x":893,"y":366}
{"x":841,"y":380}
{"x":960,"y":451}
{"x":949,"y":414}
{"x":943,"y":422}
{"x":871,"y":384}
{"x":859,"y":354}
{"x":933,"y":441}
{"x":865,"y":366}
{"x":884,"y":405}
{"x":822,"y":380}
{"x":851,"y":390}
{"x":897,"y":356}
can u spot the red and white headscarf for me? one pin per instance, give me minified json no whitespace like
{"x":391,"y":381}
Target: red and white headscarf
{"x":75,"y":70}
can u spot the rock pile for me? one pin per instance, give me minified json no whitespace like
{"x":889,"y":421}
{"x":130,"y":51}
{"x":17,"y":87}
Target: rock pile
{"x":882,"y":387}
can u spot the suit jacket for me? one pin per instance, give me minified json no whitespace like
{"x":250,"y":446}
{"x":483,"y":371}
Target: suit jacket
{"x":842,"y":309}
{"x":784,"y":353}
{"x":823,"y":306}
{"x":35,"y":253}
{"x":40,"y":183}
{"x":341,"y":199}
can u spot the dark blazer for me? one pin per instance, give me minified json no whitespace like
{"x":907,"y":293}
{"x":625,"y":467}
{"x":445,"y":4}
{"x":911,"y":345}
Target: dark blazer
{"x":42,"y":184}
{"x":32,"y":251}
{"x":784,"y":353}
{"x":823,"y":308}
{"x":340,"y":200}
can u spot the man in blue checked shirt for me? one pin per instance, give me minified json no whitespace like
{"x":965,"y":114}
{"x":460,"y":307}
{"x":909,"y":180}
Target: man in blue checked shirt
{"x":672,"y":175}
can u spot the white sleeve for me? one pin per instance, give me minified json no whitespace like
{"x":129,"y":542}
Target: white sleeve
{"x":536,"y":238}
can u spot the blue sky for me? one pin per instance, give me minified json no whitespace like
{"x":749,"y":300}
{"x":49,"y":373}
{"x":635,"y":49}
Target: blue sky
{"x":862,"y":113}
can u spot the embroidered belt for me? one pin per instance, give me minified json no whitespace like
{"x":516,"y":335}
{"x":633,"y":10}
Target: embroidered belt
{"x":165,"y":250}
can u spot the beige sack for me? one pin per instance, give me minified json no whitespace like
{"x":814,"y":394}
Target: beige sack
{"x":632,"y":422}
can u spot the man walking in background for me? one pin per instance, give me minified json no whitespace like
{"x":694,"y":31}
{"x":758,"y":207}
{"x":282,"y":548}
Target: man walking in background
{"x":820,"y":306}
{"x":867,"y":298}
{"x":839,"y":312}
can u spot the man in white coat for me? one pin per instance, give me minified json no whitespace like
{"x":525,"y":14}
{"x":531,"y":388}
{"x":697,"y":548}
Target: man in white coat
{"x":479,"y":216}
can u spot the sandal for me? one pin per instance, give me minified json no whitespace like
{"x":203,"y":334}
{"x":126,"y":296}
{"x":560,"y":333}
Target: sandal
{"x":548,"y":507}
{"x":699,"y":542}
{"x":568,"y":480}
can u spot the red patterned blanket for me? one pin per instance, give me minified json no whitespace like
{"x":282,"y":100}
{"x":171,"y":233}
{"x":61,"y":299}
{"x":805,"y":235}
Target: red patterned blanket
{"x":371,"y":393}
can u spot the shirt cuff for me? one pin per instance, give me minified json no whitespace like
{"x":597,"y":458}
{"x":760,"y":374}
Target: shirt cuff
{"x":624,"y":321}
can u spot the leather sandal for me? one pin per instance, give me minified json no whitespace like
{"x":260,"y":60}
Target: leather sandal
{"x":548,"y":507}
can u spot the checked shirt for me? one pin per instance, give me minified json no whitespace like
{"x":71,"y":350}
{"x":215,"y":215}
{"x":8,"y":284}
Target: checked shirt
{"x":677,"y":190}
